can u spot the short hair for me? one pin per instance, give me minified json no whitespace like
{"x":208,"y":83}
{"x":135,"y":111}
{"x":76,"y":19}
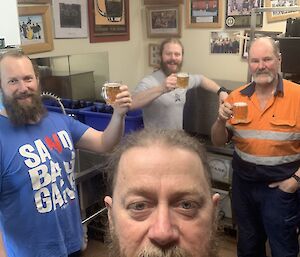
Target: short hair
{"x":167,"y":41}
{"x":18,"y":53}
{"x":154,"y":136}
{"x":274,"y":44}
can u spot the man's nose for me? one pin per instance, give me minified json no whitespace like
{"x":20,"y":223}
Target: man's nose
{"x":163,"y":230}
{"x":261,"y":64}
{"x":23,"y":86}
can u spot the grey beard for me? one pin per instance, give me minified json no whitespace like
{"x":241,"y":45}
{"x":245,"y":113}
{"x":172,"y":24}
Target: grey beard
{"x":115,"y":249}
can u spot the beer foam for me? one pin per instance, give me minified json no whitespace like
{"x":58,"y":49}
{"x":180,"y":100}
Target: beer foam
{"x":182,"y":74}
{"x":240,"y":104}
{"x":112,"y":84}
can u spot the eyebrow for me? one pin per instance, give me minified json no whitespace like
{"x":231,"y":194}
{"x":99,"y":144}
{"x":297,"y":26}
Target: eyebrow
{"x":150,"y":193}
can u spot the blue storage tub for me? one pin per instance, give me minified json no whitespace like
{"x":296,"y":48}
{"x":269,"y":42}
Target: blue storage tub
{"x":99,"y":115}
{"x":72,"y":107}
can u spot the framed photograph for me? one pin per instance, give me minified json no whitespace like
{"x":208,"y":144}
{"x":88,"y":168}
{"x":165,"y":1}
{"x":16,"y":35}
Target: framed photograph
{"x":70,"y":18}
{"x":225,"y":42}
{"x":154,"y":55}
{"x":238,"y":13}
{"x":33,"y":1}
{"x":108,"y":20}
{"x":246,"y":39}
{"x":281,"y":15}
{"x":35,"y":29}
{"x":204,"y":14}
{"x":160,"y":2}
{"x":163,"y":21}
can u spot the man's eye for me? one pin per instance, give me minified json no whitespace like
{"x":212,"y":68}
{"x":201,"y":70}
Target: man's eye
{"x":188,"y":205}
{"x":137,"y":206}
{"x":12,"y":81}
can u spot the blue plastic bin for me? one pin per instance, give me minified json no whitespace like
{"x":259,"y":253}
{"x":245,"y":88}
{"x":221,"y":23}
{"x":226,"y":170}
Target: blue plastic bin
{"x":72,"y":107}
{"x":99,"y":115}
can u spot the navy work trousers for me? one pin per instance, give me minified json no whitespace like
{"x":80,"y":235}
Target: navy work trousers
{"x":263,"y":213}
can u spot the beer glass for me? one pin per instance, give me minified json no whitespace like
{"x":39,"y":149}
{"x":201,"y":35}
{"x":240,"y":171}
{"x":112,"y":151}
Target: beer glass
{"x":110,"y":91}
{"x":240,"y":111}
{"x":182,"y":80}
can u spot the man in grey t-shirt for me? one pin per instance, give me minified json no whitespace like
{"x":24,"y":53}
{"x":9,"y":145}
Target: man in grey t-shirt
{"x":158,"y":95}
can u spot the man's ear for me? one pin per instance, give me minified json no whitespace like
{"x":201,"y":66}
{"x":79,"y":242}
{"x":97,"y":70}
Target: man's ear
{"x":215,"y":199}
{"x":108,"y":204}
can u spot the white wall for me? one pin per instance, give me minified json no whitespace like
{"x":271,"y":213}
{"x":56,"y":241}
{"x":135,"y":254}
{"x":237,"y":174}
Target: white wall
{"x":128,"y":60}
{"x":9,"y":26}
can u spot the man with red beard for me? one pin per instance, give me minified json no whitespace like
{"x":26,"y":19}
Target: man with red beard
{"x":266,"y":160}
{"x":39,"y":207}
{"x":158,"y":95}
{"x":160,"y":202}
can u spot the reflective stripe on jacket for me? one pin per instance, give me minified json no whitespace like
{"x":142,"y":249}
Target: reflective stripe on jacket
{"x":272,"y":136}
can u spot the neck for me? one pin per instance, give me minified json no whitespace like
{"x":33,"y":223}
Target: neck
{"x":267,"y":88}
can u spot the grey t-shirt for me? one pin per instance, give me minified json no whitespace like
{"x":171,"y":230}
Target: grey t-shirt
{"x":166,"y":111}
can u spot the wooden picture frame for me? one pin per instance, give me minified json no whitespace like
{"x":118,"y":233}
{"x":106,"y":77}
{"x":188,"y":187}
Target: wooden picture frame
{"x":204,"y":14}
{"x":35,"y":29}
{"x":163,"y":21}
{"x":280,"y":15}
{"x":238,"y":13}
{"x":70,"y":18}
{"x":160,"y":2}
{"x":154,"y":55}
{"x":33,"y":1}
{"x":105,"y":27}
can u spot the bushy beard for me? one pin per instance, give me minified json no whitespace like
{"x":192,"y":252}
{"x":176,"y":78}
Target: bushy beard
{"x":115,"y":249}
{"x":165,"y":69}
{"x":20,"y":115}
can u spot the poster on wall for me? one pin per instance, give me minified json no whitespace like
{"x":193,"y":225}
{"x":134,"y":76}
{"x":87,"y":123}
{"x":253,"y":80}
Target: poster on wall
{"x":238,"y":13}
{"x":225,"y":42}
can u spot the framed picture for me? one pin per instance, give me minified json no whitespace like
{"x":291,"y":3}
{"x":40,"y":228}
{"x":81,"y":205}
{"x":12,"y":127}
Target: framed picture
{"x":238,"y":13}
{"x":35,"y":29}
{"x":225,"y":42}
{"x":204,"y":14}
{"x":246,"y":39}
{"x":108,"y":20}
{"x":281,"y":15}
{"x":160,"y":2}
{"x":164,"y":21}
{"x":33,"y":1}
{"x":70,"y":18}
{"x":154,"y":55}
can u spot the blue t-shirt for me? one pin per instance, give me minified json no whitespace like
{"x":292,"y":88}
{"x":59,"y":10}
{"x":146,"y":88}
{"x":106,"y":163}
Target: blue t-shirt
{"x":39,"y":207}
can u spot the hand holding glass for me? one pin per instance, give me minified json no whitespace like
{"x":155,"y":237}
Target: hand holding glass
{"x":110,"y":91}
{"x":182,"y":80}
{"x":240,"y":111}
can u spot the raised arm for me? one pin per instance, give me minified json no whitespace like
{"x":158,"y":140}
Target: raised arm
{"x":145,"y":97}
{"x":98,"y":141}
{"x":212,"y":86}
{"x":219,"y":133}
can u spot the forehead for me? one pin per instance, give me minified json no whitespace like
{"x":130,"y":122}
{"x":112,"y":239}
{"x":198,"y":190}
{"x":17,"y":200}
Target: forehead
{"x":172,"y":47}
{"x":261,"y":48}
{"x":11,"y":65}
{"x":160,"y":168}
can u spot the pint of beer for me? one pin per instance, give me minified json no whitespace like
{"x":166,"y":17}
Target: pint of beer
{"x":240,"y":111}
{"x":110,"y":91}
{"x":182,"y":79}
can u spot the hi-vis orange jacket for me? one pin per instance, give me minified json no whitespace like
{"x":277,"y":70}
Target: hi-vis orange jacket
{"x":272,"y":136}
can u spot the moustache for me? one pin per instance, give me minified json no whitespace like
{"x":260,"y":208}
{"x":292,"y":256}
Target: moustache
{"x":23,"y":96}
{"x":172,"y":63}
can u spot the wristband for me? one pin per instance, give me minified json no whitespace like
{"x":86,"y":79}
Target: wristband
{"x":222,"y":89}
{"x":297,"y":178}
